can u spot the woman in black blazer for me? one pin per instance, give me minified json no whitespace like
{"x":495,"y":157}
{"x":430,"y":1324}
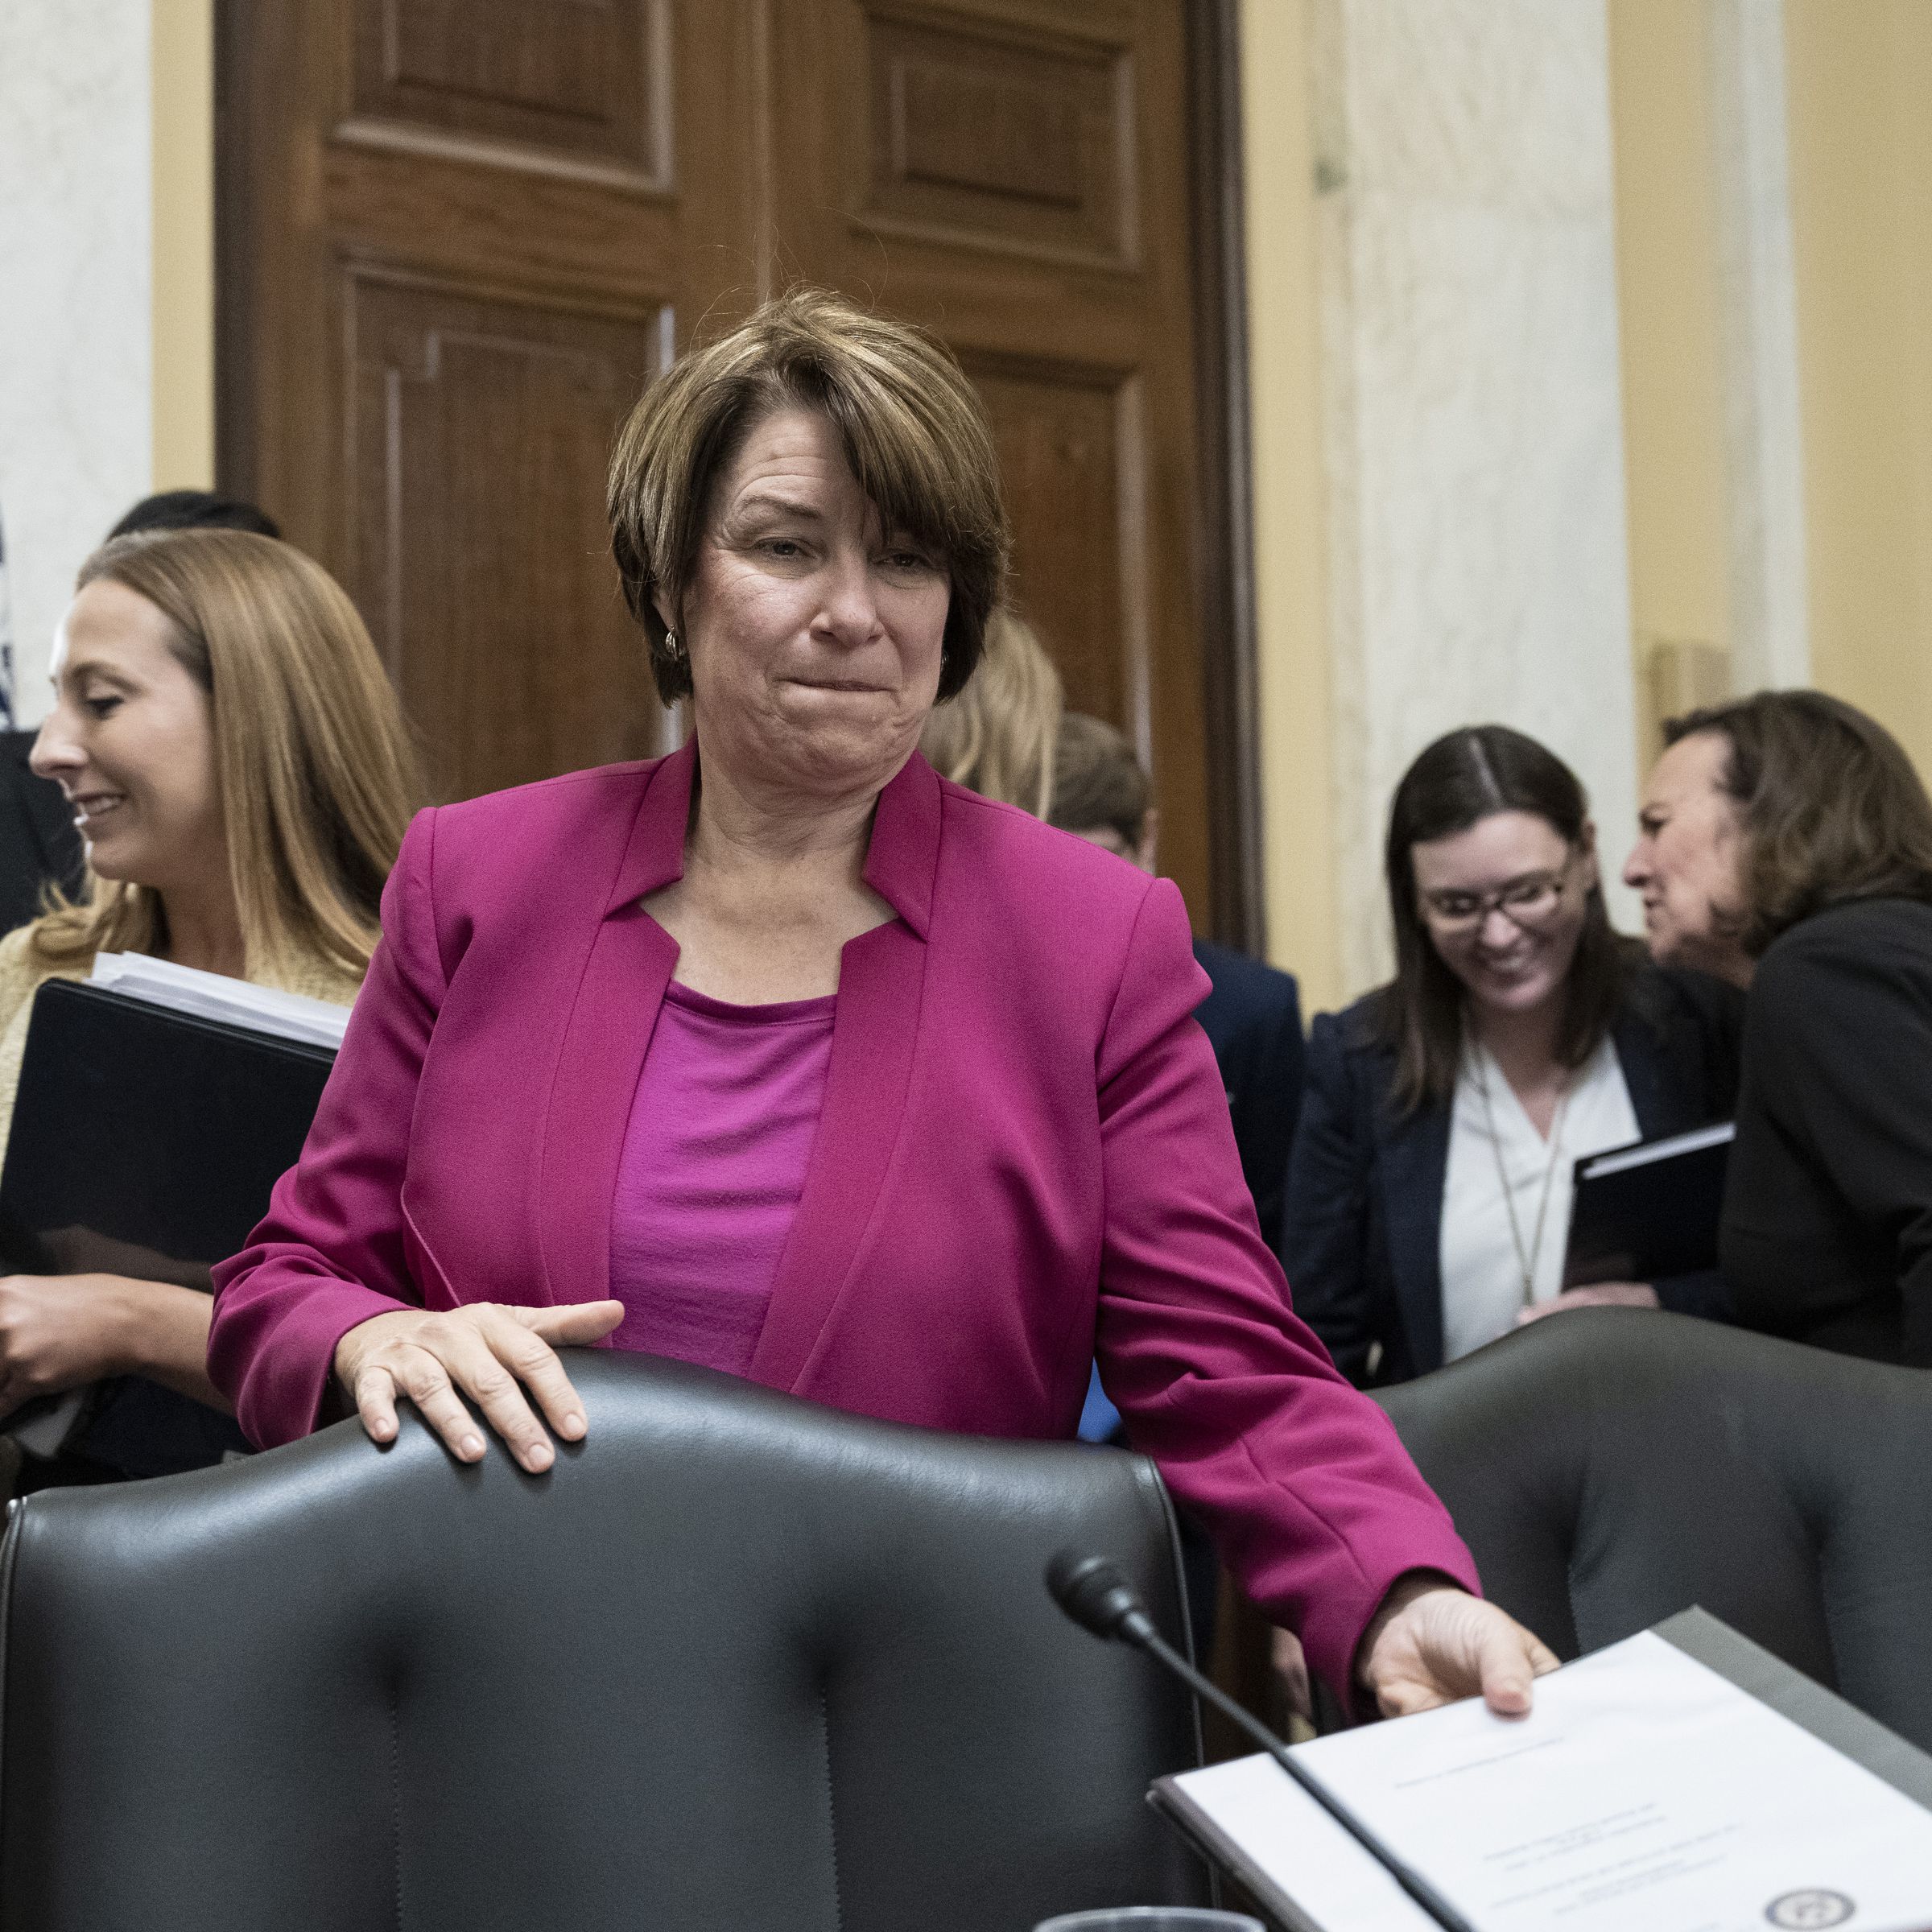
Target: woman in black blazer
{"x":1508,"y":974}
{"x":1786,"y":842}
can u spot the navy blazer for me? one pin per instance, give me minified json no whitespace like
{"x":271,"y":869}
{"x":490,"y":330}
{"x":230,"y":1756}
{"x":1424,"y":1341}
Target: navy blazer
{"x":1252,"y":1019}
{"x":1361,"y":1229}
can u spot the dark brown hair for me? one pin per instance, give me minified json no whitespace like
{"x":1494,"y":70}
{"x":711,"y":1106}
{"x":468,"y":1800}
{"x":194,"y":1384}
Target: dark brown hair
{"x":1830,"y":807}
{"x":1098,"y":782}
{"x":1465,"y":777}
{"x":912,"y":427}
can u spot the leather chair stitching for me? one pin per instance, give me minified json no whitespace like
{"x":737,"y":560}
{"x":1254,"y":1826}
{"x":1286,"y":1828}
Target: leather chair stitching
{"x":831,"y":1808}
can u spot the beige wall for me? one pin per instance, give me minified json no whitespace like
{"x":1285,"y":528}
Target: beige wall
{"x":1857,"y":74}
{"x":1667,"y":299}
{"x":1859,"y":78}
{"x":184,"y":244}
{"x":1298,"y":805}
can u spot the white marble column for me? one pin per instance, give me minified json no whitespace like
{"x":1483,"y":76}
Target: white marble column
{"x":1477,"y":553}
{"x":76,"y":311}
{"x":1758,"y":331}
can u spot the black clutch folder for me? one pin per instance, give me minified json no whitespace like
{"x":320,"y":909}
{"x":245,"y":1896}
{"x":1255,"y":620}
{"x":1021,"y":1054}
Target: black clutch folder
{"x":1646,"y":1212}
{"x":145,"y":1142}
{"x":1824,"y":1714}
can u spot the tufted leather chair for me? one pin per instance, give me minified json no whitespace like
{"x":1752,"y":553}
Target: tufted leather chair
{"x":1611,"y":1466}
{"x":737,"y":1664}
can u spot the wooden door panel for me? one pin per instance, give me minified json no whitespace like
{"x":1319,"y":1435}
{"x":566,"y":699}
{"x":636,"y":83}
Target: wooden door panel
{"x":1012,"y":174}
{"x":1065,"y":437}
{"x":477,"y":446}
{"x":984,"y":132}
{"x":581,"y":82}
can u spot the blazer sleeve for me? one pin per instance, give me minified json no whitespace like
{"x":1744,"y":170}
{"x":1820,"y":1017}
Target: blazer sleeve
{"x":1310,"y":1496}
{"x":330,"y":1253}
{"x":1325,"y":1216}
{"x":1839,"y":1045}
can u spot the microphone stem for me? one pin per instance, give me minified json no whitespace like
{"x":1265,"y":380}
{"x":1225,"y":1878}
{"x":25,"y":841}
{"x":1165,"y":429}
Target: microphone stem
{"x":1410,"y":1881}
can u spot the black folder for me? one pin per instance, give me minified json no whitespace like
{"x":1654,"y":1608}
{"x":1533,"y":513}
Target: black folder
{"x":145,"y":1142}
{"x":1648,"y":1212}
{"x":1713,"y":1643}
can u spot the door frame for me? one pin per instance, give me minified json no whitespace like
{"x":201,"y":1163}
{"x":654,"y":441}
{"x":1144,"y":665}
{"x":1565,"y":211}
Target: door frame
{"x":1225,"y":509}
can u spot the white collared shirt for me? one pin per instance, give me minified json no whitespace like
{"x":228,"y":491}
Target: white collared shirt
{"x":1482,"y":1276}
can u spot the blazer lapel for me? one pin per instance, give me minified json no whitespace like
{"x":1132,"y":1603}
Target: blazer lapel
{"x":881,"y":978}
{"x":1415,"y":1166}
{"x":612,"y":1015}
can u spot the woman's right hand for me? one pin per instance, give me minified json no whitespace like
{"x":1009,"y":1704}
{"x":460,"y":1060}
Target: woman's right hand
{"x":491,"y":1352}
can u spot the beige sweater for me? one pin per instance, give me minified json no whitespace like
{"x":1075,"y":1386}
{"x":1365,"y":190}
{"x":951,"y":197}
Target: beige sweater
{"x":21,"y":974}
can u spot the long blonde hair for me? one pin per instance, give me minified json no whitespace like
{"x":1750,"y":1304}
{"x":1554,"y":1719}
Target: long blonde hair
{"x":997,"y":736}
{"x":315,"y":767}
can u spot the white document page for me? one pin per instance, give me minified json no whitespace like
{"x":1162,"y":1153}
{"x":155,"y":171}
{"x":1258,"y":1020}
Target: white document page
{"x":1291,"y":1840}
{"x":213,"y":996}
{"x":1644,"y":1790}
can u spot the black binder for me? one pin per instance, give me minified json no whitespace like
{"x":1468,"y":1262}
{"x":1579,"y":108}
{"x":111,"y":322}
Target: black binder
{"x":145,"y":1142}
{"x":1646,"y":1212}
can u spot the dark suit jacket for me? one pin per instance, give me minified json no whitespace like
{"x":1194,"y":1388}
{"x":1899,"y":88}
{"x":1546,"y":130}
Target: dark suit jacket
{"x":38,"y":843}
{"x":1827,"y":1228}
{"x":1361,"y":1230}
{"x":1252,"y":1019}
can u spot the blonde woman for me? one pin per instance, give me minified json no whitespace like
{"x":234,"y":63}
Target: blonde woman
{"x":997,"y":736}
{"x":240,"y":774}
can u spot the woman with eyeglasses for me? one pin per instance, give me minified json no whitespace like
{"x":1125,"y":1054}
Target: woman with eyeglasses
{"x":1429,"y":1189}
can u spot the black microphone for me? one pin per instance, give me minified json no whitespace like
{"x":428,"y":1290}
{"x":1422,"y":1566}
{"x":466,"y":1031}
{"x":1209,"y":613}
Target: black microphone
{"x":1097,"y":1594}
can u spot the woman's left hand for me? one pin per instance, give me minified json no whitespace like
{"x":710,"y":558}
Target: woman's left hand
{"x":58,"y":1331}
{"x":1605,"y":1295}
{"x":1432,"y":1643}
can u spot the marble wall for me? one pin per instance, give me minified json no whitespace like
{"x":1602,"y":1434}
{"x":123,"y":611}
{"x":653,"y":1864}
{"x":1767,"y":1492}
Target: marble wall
{"x":1476,"y":553}
{"x":1757,"y":299}
{"x":75,"y":417}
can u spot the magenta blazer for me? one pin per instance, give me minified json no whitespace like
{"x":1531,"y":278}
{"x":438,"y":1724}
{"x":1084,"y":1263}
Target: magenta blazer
{"x":1025,"y":1159}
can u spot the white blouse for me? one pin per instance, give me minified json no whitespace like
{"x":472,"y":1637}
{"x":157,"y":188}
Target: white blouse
{"x":1482,"y":1276}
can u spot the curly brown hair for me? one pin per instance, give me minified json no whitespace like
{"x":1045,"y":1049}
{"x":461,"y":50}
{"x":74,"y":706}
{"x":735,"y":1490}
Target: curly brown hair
{"x":1830,"y":806}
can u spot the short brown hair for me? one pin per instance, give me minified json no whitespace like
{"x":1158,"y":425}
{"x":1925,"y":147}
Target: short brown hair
{"x":913,"y":428}
{"x":317,"y":772}
{"x":1832,"y":808}
{"x":1098,"y":783}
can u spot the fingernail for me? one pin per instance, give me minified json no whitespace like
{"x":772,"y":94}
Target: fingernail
{"x":571,"y":1426}
{"x":470,"y":1447}
{"x":538,"y":1457}
{"x":382,"y":1431}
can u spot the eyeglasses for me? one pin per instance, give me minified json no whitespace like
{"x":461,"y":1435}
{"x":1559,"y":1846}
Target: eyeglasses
{"x":1528,"y":903}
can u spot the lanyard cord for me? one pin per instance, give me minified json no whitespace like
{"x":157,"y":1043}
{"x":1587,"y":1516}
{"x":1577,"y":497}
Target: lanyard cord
{"x":1525,"y":1261}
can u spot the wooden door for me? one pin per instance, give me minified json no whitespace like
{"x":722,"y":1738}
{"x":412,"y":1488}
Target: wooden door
{"x":1015,"y":175}
{"x":457,"y":237}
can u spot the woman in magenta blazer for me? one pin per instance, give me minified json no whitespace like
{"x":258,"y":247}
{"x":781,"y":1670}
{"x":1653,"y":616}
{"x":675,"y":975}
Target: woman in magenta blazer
{"x":784,"y":1055}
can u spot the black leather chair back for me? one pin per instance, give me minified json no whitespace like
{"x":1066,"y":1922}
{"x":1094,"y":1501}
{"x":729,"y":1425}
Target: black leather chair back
{"x":737,"y":1664}
{"x":1611,"y":1466}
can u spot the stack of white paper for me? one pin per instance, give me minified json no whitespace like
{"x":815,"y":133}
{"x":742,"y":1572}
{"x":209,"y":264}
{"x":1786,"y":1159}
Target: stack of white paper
{"x":212,"y":996}
{"x":1644,"y":1790}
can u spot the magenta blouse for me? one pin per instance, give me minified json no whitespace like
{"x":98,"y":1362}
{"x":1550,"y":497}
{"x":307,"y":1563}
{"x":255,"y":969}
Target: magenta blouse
{"x":721,"y":1127}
